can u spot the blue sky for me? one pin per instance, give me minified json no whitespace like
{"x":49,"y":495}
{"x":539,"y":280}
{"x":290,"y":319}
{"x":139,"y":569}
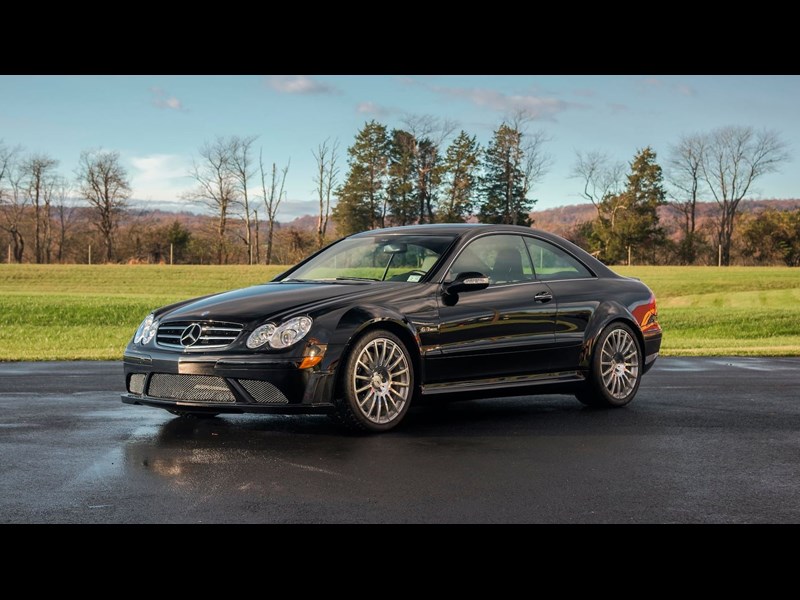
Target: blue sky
{"x":158,"y":122}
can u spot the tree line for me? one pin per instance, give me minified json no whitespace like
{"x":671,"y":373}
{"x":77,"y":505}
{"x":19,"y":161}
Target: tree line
{"x":421,"y":172}
{"x":410,"y":175}
{"x":722,"y":164}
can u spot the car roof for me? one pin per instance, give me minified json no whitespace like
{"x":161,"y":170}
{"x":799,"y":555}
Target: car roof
{"x":471,"y":230}
{"x":446,"y":228}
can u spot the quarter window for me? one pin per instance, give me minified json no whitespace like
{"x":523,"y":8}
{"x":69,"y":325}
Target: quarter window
{"x":552,"y":263}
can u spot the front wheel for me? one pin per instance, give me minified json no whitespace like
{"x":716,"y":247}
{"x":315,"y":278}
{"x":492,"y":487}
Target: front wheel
{"x":377,"y":383}
{"x":616,"y":368}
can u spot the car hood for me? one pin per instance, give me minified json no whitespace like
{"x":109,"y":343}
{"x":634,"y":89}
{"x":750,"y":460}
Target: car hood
{"x":270,"y":300}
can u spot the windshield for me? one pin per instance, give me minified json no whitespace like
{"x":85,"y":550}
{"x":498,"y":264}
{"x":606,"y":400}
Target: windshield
{"x":377,"y":258}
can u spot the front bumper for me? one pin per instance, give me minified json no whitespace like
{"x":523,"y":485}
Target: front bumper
{"x":225,"y":383}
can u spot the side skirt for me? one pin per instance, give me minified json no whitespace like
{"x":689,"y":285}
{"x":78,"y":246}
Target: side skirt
{"x":545,"y":383}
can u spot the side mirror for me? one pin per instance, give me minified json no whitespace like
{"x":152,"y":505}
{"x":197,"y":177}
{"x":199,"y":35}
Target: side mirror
{"x":470,"y":281}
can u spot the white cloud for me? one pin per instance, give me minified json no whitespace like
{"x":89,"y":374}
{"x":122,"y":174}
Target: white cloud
{"x":370,"y":108}
{"x":537,"y":107}
{"x":299,"y":84}
{"x":159,"y":176}
{"x":163,"y":100}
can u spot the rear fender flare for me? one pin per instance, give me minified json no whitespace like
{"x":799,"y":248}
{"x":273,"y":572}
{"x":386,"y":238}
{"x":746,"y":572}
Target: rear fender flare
{"x":607,"y":313}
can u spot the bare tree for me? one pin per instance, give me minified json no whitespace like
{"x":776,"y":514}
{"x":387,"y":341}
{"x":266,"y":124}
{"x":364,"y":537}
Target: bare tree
{"x":326,"y":176}
{"x":13,"y":199}
{"x":733,"y":159}
{"x":535,"y":162}
{"x":272,"y":196}
{"x":39,"y":173}
{"x":684,"y":172}
{"x":7,"y":165}
{"x":241,"y":162}
{"x":103,"y":182}
{"x":65,"y":214}
{"x":216,"y":186}
{"x":601,"y":176}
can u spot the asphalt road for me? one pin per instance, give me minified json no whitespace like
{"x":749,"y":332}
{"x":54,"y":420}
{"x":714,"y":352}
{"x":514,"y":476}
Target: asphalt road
{"x":706,"y":440}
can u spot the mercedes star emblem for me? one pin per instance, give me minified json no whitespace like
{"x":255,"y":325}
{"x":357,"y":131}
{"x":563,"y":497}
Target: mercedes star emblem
{"x":191,"y":334}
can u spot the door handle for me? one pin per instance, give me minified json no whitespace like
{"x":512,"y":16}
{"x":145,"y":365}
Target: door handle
{"x":543,"y":297}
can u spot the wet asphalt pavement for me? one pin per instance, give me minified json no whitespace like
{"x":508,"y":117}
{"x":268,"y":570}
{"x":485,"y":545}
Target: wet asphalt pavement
{"x":706,"y":440}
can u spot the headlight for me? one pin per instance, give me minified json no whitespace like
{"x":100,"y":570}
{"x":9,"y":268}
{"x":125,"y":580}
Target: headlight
{"x":145,"y":325}
{"x":283,"y":336}
{"x":149,"y":333}
{"x":260,"y":336}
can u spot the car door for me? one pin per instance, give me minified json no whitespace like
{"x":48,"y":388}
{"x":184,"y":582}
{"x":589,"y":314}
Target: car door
{"x":504,"y":330}
{"x":574,"y":288}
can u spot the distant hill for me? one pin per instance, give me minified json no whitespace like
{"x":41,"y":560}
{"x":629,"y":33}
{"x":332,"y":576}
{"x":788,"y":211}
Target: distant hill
{"x":563,"y":219}
{"x":560,"y":220}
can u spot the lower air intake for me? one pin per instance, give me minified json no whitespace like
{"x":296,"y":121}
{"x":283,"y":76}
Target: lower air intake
{"x":263,"y":392}
{"x":196,"y":388}
{"x":136,"y":383}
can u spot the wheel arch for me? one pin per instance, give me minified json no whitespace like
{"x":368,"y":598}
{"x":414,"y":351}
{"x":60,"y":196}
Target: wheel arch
{"x":606,"y":314}
{"x":370,"y":320}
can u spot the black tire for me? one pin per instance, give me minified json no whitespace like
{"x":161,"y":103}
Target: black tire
{"x":623,"y":370}
{"x":189,"y":414}
{"x":388,"y":383}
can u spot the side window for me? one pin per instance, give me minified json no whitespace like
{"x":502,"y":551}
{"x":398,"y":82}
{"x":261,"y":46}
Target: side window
{"x":502,"y":257}
{"x":552,"y":263}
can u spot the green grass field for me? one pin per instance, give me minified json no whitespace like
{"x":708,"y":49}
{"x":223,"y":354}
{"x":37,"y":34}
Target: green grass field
{"x":51,"y":312}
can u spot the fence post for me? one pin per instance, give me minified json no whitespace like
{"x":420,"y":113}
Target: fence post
{"x":629,"y":256}
{"x":170,"y":254}
{"x":90,"y":254}
{"x":719,"y":255}
{"x":9,"y":254}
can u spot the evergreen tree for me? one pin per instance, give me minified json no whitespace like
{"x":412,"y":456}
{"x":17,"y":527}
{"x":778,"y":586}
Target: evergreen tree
{"x":631,"y":217}
{"x":362,"y":198}
{"x":428,"y":178}
{"x":461,"y":162}
{"x":401,"y":199}
{"x":503,"y":182}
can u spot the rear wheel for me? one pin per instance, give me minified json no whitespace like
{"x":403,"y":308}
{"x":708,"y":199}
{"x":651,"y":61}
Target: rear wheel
{"x":189,"y":414}
{"x":377,"y":383}
{"x":616,"y":368}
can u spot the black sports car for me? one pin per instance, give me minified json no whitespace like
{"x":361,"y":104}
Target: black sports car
{"x":384,"y":318}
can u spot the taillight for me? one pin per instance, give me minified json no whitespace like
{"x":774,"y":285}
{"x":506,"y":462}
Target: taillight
{"x":648,"y":319}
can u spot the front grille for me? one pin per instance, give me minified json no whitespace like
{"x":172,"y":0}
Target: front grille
{"x":136,"y":383}
{"x":198,"y":388}
{"x":213,"y":334}
{"x":263,"y":392}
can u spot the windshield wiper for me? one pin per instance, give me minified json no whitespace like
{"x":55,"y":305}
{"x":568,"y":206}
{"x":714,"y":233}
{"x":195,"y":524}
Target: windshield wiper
{"x":356,"y":279}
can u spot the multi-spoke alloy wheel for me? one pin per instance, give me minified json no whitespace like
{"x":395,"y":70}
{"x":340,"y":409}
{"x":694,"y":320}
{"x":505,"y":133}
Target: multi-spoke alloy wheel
{"x":616,"y":368}
{"x":379,"y":382}
{"x":619,"y":363}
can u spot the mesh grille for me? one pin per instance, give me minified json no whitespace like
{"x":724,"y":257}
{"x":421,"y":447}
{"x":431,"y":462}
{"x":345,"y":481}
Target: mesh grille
{"x":199,"y":388}
{"x":136,"y":383}
{"x":263,"y":392}
{"x":214,"y":334}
